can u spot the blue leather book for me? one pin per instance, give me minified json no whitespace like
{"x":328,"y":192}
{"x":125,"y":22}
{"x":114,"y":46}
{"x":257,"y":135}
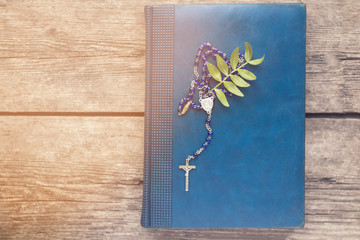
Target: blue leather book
{"x":251,"y":175}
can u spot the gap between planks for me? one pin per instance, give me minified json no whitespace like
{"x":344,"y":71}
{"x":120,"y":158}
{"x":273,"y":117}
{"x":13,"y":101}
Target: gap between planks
{"x":332,"y":115}
{"x":74,"y":114}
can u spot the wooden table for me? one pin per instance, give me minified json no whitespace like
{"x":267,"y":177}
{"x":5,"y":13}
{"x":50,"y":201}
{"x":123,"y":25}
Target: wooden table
{"x":72,"y":121}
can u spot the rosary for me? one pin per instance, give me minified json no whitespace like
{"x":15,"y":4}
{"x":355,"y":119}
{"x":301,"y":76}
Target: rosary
{"x":229,"y":73}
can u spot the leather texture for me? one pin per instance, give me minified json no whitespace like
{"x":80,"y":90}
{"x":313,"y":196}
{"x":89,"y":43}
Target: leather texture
{"x":252,"y":173}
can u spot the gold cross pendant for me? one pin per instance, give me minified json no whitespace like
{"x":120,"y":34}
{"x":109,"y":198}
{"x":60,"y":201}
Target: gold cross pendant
{"x":187,"y":168}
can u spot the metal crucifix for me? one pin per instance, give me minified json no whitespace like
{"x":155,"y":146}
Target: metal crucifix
{"x":187,"y":168}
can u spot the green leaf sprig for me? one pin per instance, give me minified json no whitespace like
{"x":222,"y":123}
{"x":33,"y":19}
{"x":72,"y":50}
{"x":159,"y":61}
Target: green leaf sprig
{"x":236,"y":80}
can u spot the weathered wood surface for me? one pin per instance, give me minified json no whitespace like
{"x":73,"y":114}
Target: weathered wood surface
{"x":81,"y":178}
{"x":71,"y":161}
{"x":93,"y":53}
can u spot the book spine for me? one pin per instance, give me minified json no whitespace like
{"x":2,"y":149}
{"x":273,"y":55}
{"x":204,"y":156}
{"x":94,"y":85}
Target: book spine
{"x":145,"y":216}
{"x":157,"y":197}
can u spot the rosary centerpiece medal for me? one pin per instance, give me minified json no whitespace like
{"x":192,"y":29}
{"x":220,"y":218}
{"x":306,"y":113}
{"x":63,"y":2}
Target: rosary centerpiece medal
{"x":230,"y":74}
{"x":207,"y":104}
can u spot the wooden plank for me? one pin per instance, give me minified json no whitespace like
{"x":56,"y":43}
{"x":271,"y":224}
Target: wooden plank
{"x":66,"y":56}
{"x":81,"y":178}
{"x":333,"y":56}
{"x":88,"y":56}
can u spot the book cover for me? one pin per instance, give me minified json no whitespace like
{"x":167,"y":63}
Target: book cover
{"x":251,"y":175}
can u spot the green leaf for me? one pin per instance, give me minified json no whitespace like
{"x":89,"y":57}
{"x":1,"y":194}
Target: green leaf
{"x":222,"y":65}
{"x":214,"y":72}
{"x":248,"y":52}
{"x":239,"y":81}
{"x":233,"y":88}
{"x":221,"y":96}
{"x":234,"y":60}
{"x":246,"y":74}
{"x":257,"y":61}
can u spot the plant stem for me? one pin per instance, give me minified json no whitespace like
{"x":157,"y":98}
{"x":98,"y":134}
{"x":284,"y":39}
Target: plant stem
{"x":229,"y":75}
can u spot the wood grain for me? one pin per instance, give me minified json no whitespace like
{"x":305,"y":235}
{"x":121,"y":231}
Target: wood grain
{"x":333,"y":56}
{"x":89,"y":56}
{"x":89,"y":52}
{"x":81,"y":178}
